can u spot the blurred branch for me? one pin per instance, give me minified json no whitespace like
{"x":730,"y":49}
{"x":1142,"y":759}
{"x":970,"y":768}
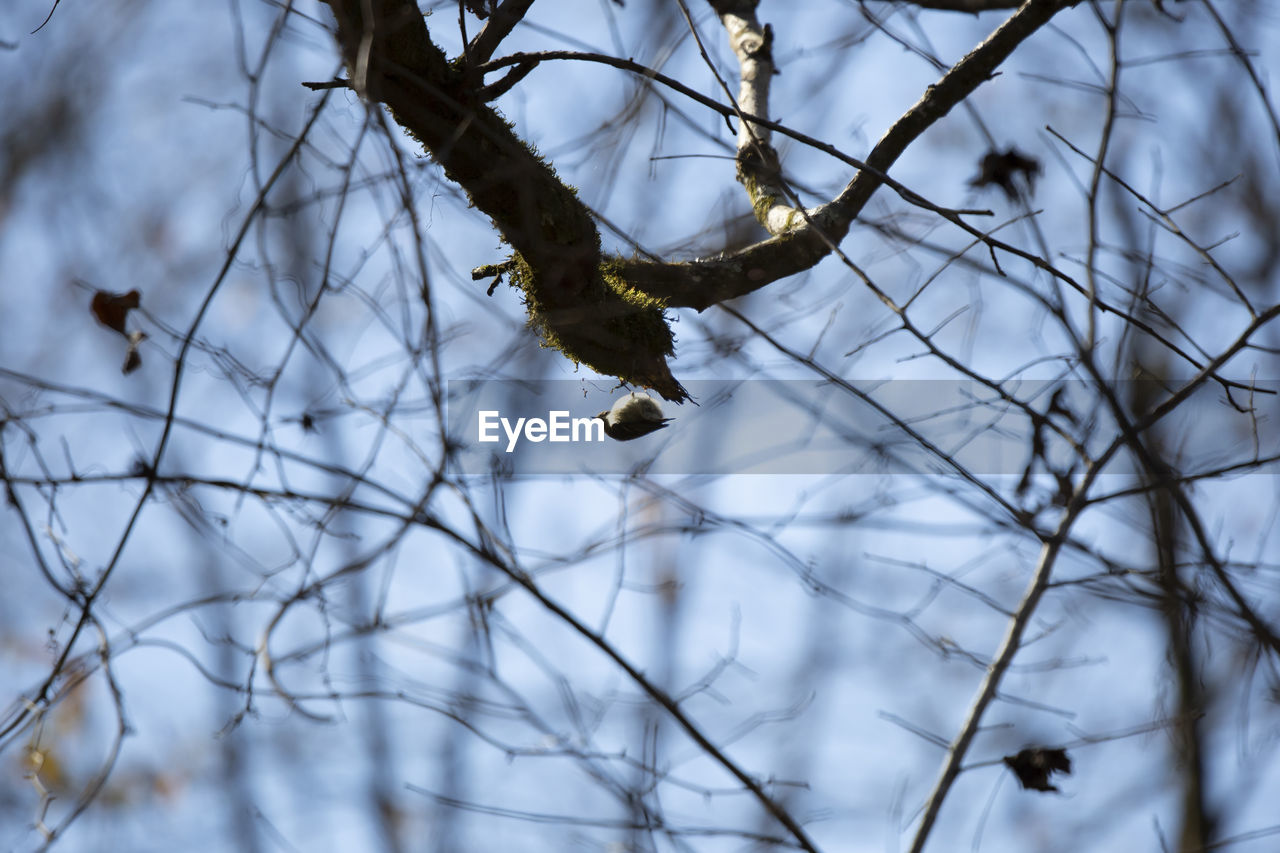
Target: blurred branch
{"x":1179,"y":607}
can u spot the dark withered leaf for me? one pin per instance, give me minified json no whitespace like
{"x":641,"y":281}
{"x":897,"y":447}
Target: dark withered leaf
{"x":1034,"y":765}
{"x":112,"y":309}
{"x":1002,"y":169}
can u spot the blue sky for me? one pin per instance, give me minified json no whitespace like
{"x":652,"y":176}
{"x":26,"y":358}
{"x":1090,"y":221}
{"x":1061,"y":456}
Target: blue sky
{"x":827,"y":631}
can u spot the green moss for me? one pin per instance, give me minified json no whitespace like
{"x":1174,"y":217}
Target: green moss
{"x":762,"y":201}
{"x":619,"y":326}
{"x":646,"y":321}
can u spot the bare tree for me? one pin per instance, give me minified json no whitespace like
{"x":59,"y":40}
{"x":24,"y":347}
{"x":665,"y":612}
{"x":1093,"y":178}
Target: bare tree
{"x":961,"y":531}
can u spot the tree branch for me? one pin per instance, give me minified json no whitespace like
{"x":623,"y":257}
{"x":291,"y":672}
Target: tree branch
{"x":607,"y":312}
{"x":702,"y":283}
{"x":499,"y":26}
{"x":573,"y":301}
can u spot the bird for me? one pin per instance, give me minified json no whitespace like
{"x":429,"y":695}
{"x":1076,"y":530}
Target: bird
{"x":632,"y":416}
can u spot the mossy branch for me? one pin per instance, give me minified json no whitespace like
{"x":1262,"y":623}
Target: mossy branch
{"x":575,"y":302}
{"x":582,"y":303}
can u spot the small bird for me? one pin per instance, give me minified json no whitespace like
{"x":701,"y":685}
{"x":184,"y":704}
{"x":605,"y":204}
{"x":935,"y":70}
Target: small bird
{"x":632,"y":416}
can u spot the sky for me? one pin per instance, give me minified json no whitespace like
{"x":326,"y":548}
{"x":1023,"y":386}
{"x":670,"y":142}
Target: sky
{"x":290,"y":664}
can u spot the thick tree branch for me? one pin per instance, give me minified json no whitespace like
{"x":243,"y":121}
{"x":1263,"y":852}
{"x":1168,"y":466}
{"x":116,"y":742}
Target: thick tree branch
{"x":597,"y":310}
{"x":573,"y":301}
